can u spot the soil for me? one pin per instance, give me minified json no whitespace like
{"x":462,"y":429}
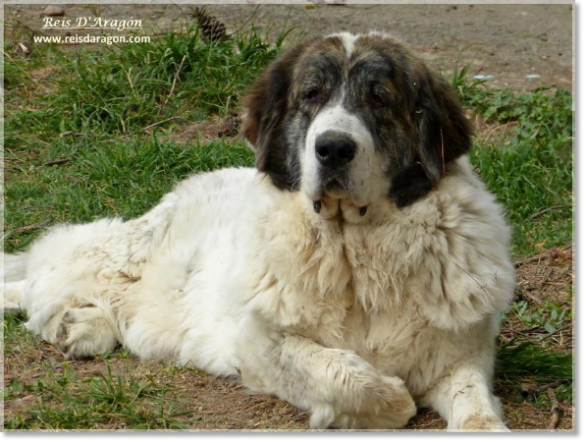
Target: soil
{"x":221,"y":404}
{"x":546,"y":276}
{"x":508,"y":42}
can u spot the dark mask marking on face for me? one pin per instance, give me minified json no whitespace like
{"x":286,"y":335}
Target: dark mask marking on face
{"x":412,"y":114}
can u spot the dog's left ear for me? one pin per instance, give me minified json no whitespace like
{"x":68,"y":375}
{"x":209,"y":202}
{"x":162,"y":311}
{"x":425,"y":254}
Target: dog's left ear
{"x":442,"y":134}
{"x":265,"y":108}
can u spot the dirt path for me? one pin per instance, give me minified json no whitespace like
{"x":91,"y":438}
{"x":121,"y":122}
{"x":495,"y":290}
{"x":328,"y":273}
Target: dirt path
{"x":508,"y":42}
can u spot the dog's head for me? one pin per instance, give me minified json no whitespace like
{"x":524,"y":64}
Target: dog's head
{"x":354,"y":118}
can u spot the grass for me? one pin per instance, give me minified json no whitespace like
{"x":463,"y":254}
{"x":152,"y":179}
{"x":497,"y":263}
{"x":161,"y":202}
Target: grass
{"x":550,"y":314}
{"x":66,"y":398}
{"x":532,"y":171}
{"x":88,"y":134}
{"x":124,"y":89}
{"x":101,"y":178}
{"x":66,"y":402}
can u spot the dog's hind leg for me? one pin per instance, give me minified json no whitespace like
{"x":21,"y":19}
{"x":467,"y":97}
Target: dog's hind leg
{"x":13,"y":281}
{"x":86,"y":331}
{"x":12,"y":294}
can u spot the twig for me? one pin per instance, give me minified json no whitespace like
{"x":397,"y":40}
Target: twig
{"x":515,"y":332}
{"x":555,"y":409}
{"x":30,"y":228}
{"x":552,"y":333}
{"x":160,"y":123}
{"x":129,"y":79}
{"x":487,"y":134}
{"x":538,"y":257}
{"x":58,"y":161}
{"x":473,"y":279}
{"x":544,"y":210}
{"x":520,"y":293}
{"x":552,"y":385}
{"x":175,"y":78}
{"x":534,"y":259}
{"x":75,"y":134}
{"x":545,"y":277}
{"x":248,"y":20}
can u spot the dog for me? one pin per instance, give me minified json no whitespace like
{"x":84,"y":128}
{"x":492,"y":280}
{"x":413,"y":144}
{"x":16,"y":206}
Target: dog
{"x":358,"y":272}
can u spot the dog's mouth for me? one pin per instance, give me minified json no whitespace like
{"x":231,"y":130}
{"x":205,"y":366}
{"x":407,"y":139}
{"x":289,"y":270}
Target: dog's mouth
{"x":333,"y":188}
{"x":332,"y":194}
{"x":338,"y":206}
{"x":334,"y":197}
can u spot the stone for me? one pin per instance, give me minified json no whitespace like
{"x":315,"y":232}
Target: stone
{"x":53,"y":11}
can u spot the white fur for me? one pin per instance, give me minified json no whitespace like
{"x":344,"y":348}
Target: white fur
{"x":354,"y":323}
{"x":348,"y":39}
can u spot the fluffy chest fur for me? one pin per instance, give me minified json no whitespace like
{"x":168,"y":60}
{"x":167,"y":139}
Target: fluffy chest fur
{"x":406,"y":279}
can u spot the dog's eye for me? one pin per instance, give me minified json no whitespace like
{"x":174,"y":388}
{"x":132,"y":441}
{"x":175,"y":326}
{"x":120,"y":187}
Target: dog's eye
{"x":378,"y":99}
{"x":312,"y":95}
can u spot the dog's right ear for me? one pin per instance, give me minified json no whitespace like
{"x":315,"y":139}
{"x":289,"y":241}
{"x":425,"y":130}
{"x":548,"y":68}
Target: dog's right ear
{"x":265,"y":108}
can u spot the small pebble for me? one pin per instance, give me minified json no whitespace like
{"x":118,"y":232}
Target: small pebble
{"x":53,"y":11}
{"x":483,"y":77}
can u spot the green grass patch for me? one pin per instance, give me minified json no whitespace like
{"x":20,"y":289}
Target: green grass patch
{"x":531,"y":173}
{"x":64,"y":402}
{"x":524,"y":360}
{"x":123,"y":89}
{"x":549,"y":315}
{"x":104,"y":179}
{"x":527,"y":369}
{"x":17,"y":339}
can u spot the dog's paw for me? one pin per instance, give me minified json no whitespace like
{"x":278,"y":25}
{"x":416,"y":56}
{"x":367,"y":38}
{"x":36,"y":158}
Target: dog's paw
{"x":11,"y":297}
{"x":388,"y":405}
{"x":322,"y":416}
{"x":482,"y":423}
{"x":380,"y":403}
{"x":84,"y":332}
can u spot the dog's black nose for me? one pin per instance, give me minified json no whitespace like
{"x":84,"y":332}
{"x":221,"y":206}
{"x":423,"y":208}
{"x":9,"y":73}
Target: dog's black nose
{"x":334,"y":149}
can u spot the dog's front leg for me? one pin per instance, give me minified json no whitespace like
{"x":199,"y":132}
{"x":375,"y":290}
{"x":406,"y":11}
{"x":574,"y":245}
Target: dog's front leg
{"x":339,"y":388}
{"x":464,"y":398}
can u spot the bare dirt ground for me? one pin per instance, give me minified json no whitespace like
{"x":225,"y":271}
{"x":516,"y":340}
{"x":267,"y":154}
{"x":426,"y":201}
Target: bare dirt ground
{"x":505,"y":41}
{"x":508,"y":42}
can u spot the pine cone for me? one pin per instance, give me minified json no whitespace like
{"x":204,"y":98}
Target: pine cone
{"x":211,"y":28}
{"x":230,"y":125}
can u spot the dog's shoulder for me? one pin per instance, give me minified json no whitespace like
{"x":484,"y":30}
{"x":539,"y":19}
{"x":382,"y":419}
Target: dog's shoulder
{"x":461,"y":269}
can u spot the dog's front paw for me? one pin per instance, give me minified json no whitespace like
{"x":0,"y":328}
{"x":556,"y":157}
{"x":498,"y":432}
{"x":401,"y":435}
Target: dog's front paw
{"x":379,"y":403}
{"x":388,"y":405}
{"x":483,"y":423}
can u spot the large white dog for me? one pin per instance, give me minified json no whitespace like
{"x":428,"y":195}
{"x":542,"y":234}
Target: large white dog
{"x":358,"y":271}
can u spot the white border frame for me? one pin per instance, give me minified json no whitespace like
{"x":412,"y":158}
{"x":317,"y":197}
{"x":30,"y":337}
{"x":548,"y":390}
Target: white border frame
{"x":579,"y":268}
